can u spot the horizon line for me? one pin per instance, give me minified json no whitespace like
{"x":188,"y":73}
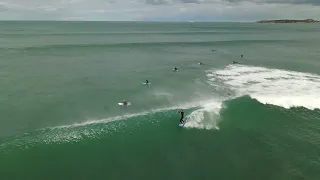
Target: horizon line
{"x":185,"y":21}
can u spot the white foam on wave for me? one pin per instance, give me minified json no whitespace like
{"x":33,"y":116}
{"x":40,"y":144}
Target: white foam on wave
{"x":127,"y":116}
{"x":197,"y":119}
{"x":206,"y":117}
{"x":271,"y":86}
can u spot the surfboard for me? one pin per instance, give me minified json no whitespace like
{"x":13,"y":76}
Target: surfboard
{"x":121,"y":104}
{"x":181,"y":125}
{"x":145,"y":83}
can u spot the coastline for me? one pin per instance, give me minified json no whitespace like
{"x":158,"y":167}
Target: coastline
{"x":289,"y":21}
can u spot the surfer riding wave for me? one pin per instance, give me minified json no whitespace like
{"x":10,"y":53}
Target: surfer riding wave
{"x":182,"y":115}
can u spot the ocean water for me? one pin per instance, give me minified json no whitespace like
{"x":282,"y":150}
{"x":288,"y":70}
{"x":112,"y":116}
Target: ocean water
{"x":61,"y":82}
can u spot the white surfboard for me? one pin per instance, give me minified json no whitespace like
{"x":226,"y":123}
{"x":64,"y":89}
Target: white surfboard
{"x":181,"y":125}
{"x":121,"y":104}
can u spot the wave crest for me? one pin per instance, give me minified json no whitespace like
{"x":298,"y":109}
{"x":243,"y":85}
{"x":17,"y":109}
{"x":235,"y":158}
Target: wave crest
{"x":271,"y":86}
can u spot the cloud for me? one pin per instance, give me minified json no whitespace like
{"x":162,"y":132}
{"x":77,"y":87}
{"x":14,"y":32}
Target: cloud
{"x":312,"y":2}
{"x":159,"y":2}
{"x":168,"y":10}
{"x":4,"y":6}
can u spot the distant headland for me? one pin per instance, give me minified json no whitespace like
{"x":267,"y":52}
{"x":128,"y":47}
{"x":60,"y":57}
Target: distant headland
{"x":289,"y":21}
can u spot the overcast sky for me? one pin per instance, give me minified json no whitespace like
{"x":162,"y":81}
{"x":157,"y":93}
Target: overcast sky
{"x":155,"y":10}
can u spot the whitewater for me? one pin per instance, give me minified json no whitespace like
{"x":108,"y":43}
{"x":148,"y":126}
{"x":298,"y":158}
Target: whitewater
{"x":269,"y":86}
{"x":277,"y":87}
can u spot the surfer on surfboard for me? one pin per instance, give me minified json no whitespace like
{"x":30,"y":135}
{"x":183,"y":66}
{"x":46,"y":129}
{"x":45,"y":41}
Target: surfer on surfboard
{"x":147,"y":82}
{"x":125,"y":102}
{"x":182,"y":115}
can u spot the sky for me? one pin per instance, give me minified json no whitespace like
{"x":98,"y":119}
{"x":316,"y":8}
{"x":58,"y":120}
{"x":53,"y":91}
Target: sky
{"x":159,"y":10}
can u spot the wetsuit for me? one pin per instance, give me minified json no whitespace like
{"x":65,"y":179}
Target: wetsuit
{"x":182,"y":116}
{"x":147,"y":82}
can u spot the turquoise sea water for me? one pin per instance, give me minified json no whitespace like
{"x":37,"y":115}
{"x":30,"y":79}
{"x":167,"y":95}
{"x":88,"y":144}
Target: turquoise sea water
{"x":61,"y":82}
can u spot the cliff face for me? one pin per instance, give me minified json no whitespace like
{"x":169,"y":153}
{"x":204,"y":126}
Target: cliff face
{"x":306,"y":21}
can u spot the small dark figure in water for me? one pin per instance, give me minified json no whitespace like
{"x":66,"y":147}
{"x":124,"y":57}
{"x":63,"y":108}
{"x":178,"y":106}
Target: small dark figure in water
{"x":147,"y":82}
{"x":242,"y":55}
{"x":200,"y":63}
{"x":182,"y":115}
{"x":213,"y":50}
{"x":175,"y":69}
{"x":125,"y":102}
{"x":235,"y":62}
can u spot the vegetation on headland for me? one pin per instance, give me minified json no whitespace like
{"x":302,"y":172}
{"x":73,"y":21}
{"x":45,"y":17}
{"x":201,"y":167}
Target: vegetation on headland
{"x":305,"y":21}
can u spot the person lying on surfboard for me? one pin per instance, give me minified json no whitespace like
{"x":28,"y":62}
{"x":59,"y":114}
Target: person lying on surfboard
{"x":182,"y":115}
{"x":125,"y":102}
